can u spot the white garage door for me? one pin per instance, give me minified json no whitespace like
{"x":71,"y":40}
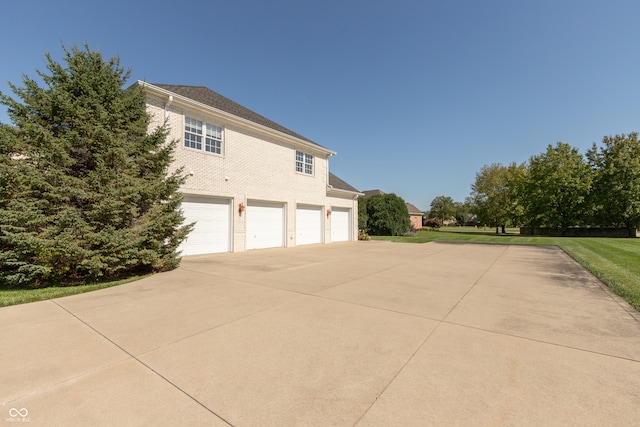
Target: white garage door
{"x":308,"y":225}
{"x":265,"y":225}
{"x":212,"y":230}
{"x":340,"y":225}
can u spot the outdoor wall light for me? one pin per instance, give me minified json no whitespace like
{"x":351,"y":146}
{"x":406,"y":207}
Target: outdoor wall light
{"x":240,"y":208}
{"x":328,"y":213}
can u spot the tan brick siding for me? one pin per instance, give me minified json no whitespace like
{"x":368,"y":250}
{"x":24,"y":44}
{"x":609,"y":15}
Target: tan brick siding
{"x":252,"y":166}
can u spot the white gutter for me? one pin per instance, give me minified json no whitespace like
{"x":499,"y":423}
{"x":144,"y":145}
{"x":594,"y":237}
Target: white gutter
{"x":166,"y":116}
{"x":233,"y":118}
{"x":338,"y":190}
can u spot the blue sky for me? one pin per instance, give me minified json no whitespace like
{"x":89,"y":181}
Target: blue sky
{"x":414,"y":96}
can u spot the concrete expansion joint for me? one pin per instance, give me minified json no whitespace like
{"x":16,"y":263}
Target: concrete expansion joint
{"x":472,"y":334}
{"x":133,"y":357}
{"x":506,"y":334}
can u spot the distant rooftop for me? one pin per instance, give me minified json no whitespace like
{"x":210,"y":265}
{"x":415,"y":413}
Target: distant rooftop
{"x":369,"y":193}
{"x":413,"y":210}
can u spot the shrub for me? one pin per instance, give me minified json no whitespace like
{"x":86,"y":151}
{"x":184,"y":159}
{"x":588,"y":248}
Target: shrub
{"x":433,"y":223}
{"x":387,"y":215}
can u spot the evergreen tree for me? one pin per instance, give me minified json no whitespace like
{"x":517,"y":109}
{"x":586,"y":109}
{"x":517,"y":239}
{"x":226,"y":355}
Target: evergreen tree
{"x":84,"y":192}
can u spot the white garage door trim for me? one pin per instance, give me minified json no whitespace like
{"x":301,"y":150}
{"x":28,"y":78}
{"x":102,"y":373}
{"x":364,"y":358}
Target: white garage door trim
{"x":308,"y":225}
{"x":265,"y":225}
{"x":212,"y":230}
{"x":340,"y":225}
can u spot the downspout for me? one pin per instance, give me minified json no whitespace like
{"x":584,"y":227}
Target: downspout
{"x":330,"y":155}
{"x":166,"y":119}
{"x":330,"y":187}
{"x":356,"y":219}
{"x":166,"y":109}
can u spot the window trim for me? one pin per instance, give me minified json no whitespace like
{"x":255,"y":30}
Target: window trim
{"x":200,"y":135}
{"x":305,"y":163}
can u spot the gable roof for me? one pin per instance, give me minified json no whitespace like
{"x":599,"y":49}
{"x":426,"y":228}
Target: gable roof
{"x":413,"y":210}
{"x":339,"y":184}
{"x":206,"y":96}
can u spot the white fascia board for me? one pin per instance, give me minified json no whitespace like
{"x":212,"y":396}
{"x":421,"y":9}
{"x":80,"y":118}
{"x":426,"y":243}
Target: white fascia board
{"x":232,"y":118}
{"x":340,"y":192}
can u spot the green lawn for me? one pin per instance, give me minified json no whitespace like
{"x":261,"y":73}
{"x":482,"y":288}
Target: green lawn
{"x":614,"y":261}
{"x":21,"y":296}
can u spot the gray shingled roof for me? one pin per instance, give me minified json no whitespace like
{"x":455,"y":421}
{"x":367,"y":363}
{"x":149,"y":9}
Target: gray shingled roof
{"x":413,"y":210}
{"x":339,"y":184}
{"x":213,"y":99}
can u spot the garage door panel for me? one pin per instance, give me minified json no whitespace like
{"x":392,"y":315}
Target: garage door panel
{"x":212,"y":229}
{"x":308,"y":225}
{"x":265,"y":225}
{"x":340,"y":225}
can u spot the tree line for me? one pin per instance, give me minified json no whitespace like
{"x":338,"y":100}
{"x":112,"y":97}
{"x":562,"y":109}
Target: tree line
{"x":561,"y":188}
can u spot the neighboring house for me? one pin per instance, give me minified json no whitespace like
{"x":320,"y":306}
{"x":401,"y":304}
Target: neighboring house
{"x":472,"y":221}
{"x":415,"y":216}
{"x":252,"y":183}
{"x":369,"y":193}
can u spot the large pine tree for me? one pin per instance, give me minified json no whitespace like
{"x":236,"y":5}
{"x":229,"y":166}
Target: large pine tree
{"x":84,"y":189}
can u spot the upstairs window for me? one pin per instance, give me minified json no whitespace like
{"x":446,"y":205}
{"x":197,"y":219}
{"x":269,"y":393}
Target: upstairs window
{"x":213,"y":141}
{"x":304,"y":163}
{"x":196,"y":130}
{"x":192,"y":133}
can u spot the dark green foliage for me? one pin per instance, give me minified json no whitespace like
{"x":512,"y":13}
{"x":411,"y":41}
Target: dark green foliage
{"x":616,"y":190}
{"x":494,"y":194}
{"x":443,"y":207}
{"x":463,"y":213}
{"x":555,"y":188}
{"x":433,"y":223}
{"x":387,"y":215}
{"x":559,"y":189}
{"x":83,"y":190}
{"x":363,"y":217}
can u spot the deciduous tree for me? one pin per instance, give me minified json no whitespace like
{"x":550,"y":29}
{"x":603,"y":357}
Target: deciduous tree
{"x":555,"y":188}
{"x":494,"y":194}
{"x":443,"y":207}
{"x":616,"y":187}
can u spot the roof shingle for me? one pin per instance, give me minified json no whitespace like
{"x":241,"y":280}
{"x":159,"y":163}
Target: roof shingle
{"x":339,"y":184}
{"x":213,"y":99}
{"x":413,"y":210}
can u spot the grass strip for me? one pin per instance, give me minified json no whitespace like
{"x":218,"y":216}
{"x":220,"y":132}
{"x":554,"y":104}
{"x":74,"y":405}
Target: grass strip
{"x":22,"y":296}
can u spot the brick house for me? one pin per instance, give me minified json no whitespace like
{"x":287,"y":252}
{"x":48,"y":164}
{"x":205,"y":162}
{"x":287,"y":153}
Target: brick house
{"x":252,"y":183}
{"x":415,"y":216}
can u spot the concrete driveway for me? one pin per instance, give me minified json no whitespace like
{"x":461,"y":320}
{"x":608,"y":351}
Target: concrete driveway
{"x":361,"y":333}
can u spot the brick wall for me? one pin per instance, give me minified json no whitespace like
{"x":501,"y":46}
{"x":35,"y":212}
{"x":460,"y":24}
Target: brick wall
{"x":253,"y":166}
